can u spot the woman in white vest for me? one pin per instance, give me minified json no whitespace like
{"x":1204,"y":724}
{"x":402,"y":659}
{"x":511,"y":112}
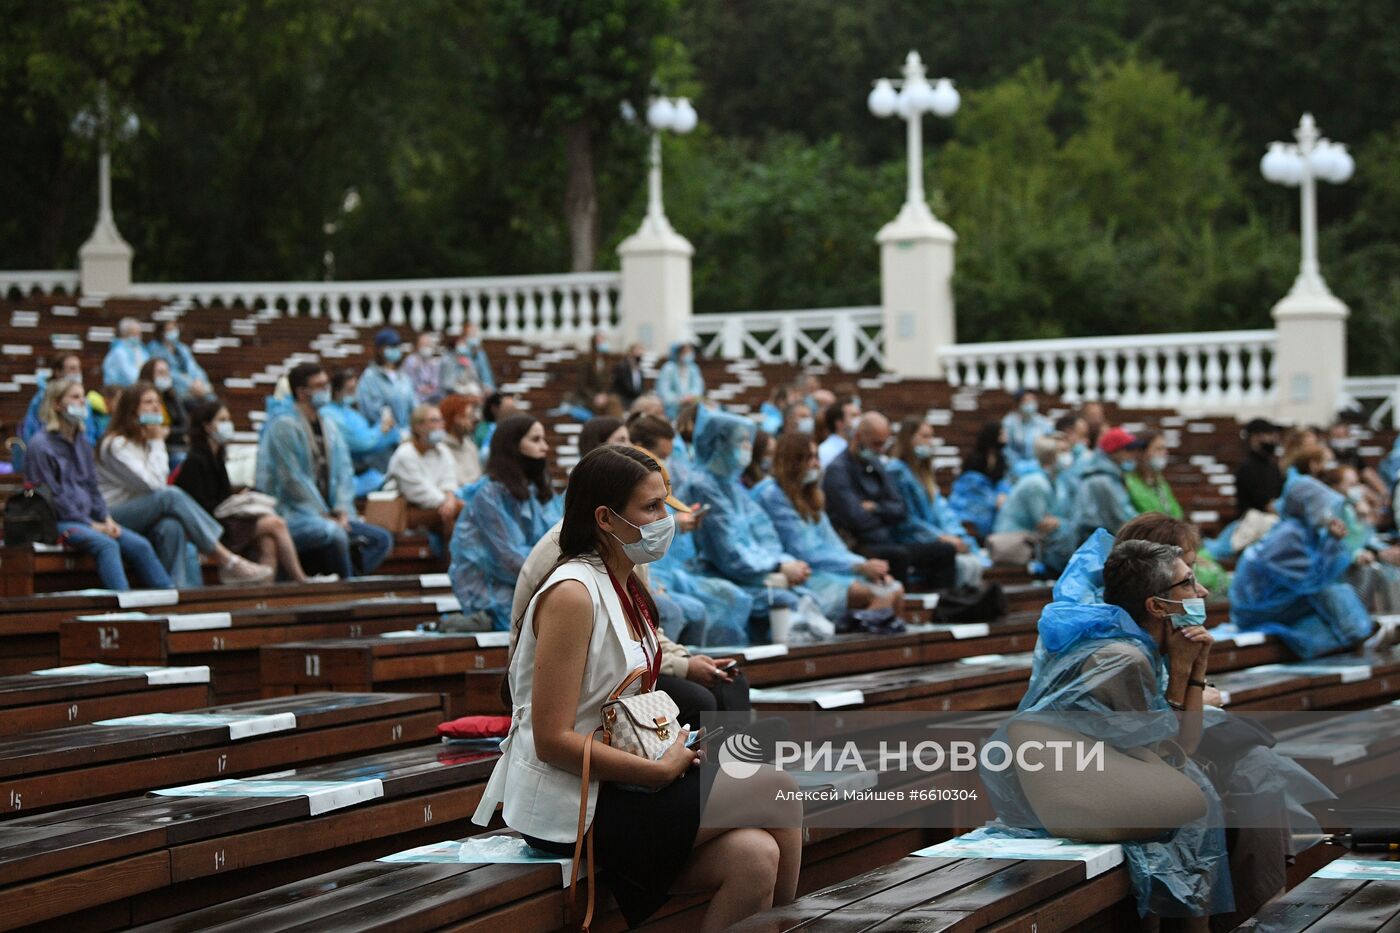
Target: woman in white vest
{"x":590,"y":624}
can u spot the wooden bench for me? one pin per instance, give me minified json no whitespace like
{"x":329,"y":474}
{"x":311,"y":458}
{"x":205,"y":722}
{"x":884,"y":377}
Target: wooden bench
{"x":1338,"y":897}
{"x":139,"y":859}
{"x":1348,"y":751}
{"x":29,"y":624}
{"x":37,"y":702}
{"x":228,"y":641}
{"x":96,"y":762}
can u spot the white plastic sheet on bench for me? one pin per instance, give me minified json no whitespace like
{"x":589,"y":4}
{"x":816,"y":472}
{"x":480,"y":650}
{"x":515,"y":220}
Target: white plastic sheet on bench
{"x":1360,"y":869}
{"x":239,"y":727}
{"x":197,"y":674}
{"x":482,"y":850}
{"x":434,"y":581}
{"x":825,"y":699}
{"x":1350,"y":673}
{"x":1097,"y":859}
{"x":135,"y":599}
{"x":321,"y":796}
{"x":199,"y":621}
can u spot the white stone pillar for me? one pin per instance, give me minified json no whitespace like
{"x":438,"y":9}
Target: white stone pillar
{"x":916,"y":291}
{"x":655,"y":300}
{"x":104,"y":261}
{"x":1311,"y":354}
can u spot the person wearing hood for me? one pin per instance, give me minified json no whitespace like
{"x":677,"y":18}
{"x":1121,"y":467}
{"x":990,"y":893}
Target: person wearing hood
{"x":1022,"y":426}
{"x":383,"y":384}
{"x":122,"y":364}
{"x":191,"y":381}
{"x":929,"y":517}
{"x":304,"y":463}
{"x":507,"y":511}
{"x":1292,"y":582}
{"x":425,"y":474}
{"x":1102,"y":498}
{"x":737,"y":540}
{"x":680,"y":380}
{"x":1034,"y":506}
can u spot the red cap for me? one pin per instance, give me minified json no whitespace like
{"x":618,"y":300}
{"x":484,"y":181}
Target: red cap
{"x":1114,"y":440}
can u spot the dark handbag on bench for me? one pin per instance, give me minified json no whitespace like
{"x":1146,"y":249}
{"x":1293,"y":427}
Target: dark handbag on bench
{"x":30,"y":517}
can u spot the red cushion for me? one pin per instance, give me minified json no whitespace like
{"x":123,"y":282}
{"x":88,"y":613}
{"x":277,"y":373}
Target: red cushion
{"x":475,"y":727}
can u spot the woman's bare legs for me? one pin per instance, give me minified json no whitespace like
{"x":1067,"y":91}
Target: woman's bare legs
{"x":272,"y":528}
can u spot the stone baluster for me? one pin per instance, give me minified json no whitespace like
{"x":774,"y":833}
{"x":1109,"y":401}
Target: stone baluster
{"x":1193,"y":393}
{"x":1111,"y":377}
{"x":1091,"y":376}
{"x":1214,"y":389}
{"x":1234,"y":376}
{"x":1069,"y":379}
{"x":1051,"y":378}
{"x":1132,"y":376}
{"x":1171,"y":393}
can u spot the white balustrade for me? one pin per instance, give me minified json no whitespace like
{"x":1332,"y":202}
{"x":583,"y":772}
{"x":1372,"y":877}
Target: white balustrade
{"x":527,"y":306}
{"x":1219,"y":371}
{"x":847,"y":338}
{"x":1382,"y":389}
{"x":45,"y":282}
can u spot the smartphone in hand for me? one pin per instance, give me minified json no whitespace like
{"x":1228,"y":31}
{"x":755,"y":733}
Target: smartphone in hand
{"x":702,"y":737}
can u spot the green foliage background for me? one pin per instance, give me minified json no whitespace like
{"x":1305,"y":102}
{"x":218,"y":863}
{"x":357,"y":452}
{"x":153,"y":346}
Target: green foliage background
{"x":1102,"y":174}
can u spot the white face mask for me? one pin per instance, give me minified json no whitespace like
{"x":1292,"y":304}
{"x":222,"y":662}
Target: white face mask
{"x":164,"y":382}
{"x":812,"y":477}
{"x":655,"y":540}
{"x":1065,"y":460}
{"x":224,"y":429}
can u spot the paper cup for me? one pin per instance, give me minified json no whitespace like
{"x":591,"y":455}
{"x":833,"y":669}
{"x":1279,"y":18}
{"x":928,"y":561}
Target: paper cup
{"x":779,"y":620}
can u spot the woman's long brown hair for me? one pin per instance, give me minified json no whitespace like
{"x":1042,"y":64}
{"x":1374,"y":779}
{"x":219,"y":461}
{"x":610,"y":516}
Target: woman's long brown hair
{"x":790,"y":456}
{"x":126,"y":418}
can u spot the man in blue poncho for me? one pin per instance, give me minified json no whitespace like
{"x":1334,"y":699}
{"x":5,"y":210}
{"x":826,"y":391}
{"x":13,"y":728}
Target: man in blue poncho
{"x":1292,"y":582}
{"x":1101,"y":499}
{"x":1022,"y":426}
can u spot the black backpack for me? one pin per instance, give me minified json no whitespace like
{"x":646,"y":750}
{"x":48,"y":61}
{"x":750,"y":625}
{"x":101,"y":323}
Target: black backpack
{"x":30,"y":517}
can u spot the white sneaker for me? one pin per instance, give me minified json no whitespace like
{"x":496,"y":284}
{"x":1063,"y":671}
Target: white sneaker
{"x":238,"y":570}
{"x":324,"y":578}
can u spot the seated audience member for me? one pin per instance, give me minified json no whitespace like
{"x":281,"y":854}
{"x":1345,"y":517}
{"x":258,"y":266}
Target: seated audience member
{"x":383,"y":385}
{"x":680,"y":381}
{"x":133,"y":471}
{"x":1022,"y":426}
{"x":601,"y":430}
{"x":928,"y":516}
{"x":304,"y":463}
{"x":457,"y":371}
{"x":798,"y":419}
{"x":1306,"y":460}
{"x":1179,"y":533}
{"x":696,"y":682}
{"x":736,"y":540}
{"x":423,"y":369}
{"x":982,"y":485}
{"x":370,"y":445}
{"x":191,"y":381}
{"x":468,"y":363}
{"x":715,"y":611}
{"x":1095,"y":418}
{"x":1375,"y":568}
{"x":1344,"y":440}
{"x":681,"y":462}
{"x":1102,"y":500}
{"x":792,"y":497}
{"x":584,"y":628}
{"x":1258,"y":481}
{"x":122,"y":364}
{"x":592,"y":380}
{"x":839,"y":420}
{"x":1148,"y":489}
{"x":499,"y":406}
{"x":64,"y":365}
{"x":628,"y":383}
{"x":59,"y":457}
{"x":260,"y":537}
{"x":773,"y":409}
{"x":461,"y":413}
{"x":507,"y":511}
{"x":1291,"y":583}
{"x":425,"y":474}
{"x":156,"y":372}
{"x":865,"y":507}
{"x":1035,"y":508}
{"x":648,"y":403}
{"x":761,"y":464}
{"x":1076,"y":434}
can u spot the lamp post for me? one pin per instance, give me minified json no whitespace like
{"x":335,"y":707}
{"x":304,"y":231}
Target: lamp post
{"x":916,"y":249}
{"x":656,"y":301}
{"x":348,"y":205}
{"x":105,"y":259}
{"x":1310,"y":357}
{"x":663,"y":114}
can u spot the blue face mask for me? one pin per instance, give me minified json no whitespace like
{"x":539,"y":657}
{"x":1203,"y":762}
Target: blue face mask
{"x":320,"y":398}
{"x":806,"y":425}
{"x":437,"y":437}
{"x":870,"y":456}
{"x":150,"y":417}
{"x":1128,"y":466}
{"x":812,"y":477}
{"x":1079,"y":449}
{"x":392,"y":354}
{"x":1193,"y":612}
{"x":743,"y":457}
{"x":923,"y":451}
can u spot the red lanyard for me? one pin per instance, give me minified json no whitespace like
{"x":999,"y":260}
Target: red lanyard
{"x":640,"y":622}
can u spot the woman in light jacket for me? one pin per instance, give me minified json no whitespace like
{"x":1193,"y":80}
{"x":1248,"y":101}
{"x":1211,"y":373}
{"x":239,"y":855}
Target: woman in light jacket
{"x":587,"y":626}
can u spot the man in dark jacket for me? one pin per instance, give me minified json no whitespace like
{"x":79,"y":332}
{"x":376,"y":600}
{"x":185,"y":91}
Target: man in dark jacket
{"x":1258,"y":481}
{"x":627,"y":376}
{"x":865,"y":507}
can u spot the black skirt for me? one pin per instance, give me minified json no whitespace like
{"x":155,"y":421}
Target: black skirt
{"x":642,"y":840}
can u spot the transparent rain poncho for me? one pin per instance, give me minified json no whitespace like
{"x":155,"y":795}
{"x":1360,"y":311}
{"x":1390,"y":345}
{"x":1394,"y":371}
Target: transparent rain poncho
{"x":285,"y":471}
{"x":494,"y":534}
{"x":833,"y":564}
{"x":1290,"y":583}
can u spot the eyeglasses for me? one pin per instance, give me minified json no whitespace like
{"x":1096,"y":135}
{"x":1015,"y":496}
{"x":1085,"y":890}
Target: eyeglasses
{"x":1189,"y":578}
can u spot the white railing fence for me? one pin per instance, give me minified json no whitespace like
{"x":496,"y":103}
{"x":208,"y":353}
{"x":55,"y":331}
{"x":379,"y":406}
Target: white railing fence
{"x":847,"y":338}
{"x":45,"y":282}
{"x":525,"y":306}
{"x":1382,"y":389}
{"x":1217,"y":370}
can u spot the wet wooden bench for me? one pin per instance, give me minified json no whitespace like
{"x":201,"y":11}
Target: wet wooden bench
{"x":37,"y":702}
{"x":1343,"y":895}
{"x":228,"y":641}
{"x":1350,"y":750}
{"x":139,"y":859}
{"x":96,"y":762}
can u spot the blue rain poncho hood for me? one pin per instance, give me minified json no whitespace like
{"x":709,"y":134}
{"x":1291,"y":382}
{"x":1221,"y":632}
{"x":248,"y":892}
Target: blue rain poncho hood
{"x":1078,"y":613}
{"x":718,"y":436}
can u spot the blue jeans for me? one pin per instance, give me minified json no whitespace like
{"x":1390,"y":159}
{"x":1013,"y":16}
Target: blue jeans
{"x":109,"y":552}
{"x":171,"y":518}
{"x":333,"y":543}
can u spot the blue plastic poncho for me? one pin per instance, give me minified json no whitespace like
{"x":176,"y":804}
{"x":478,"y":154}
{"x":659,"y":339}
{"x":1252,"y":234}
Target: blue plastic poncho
{"x":926,"y":519}
{"x":122,"y":364}
{"x":974,"y":497}
{"x":736,"y":541}
{"x":833,"y":564}
{"x":382,"y":388}
{"x":1021,"y":434}
{"x":1034,"y":497}
{"x":716,"y":611}
{"x":184,"y":368}
{"x":679,"y":379}
{"x":494,"y":534}
{"x":1101,"y":500}
{"x":285,"y":471}
{"x":1290,"y":582}
{"x":370,"y":448}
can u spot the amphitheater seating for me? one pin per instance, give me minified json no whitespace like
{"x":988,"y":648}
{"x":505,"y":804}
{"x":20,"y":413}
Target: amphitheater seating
{"x":56,"y":698}
{"x":1325,"y":902}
